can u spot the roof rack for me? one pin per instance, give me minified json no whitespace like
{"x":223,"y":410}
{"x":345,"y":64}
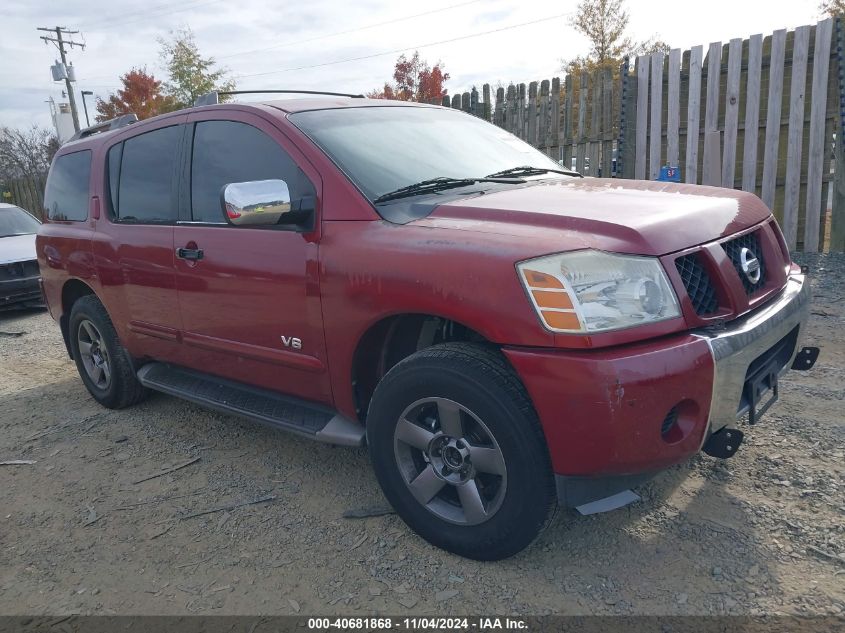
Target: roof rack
{"x":106,"y":126}
{"x":213,"y":98}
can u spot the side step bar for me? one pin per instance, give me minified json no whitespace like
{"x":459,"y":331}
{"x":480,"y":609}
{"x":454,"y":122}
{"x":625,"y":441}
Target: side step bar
{"x":260,"y":405}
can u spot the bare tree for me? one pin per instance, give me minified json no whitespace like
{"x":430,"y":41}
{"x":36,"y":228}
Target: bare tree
{"x":26,"y":152}
{"x":832,"y":8}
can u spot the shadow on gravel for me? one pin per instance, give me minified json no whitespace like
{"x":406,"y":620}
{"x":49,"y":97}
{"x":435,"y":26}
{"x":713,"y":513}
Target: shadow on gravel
{"x":15,"y":312}
{"x":689,"y":544}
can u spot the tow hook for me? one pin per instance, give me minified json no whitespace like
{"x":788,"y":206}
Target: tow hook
{"x":806,"y":358}
{"x":723,"y":443}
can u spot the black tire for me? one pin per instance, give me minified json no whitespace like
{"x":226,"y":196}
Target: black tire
{"x":480,"y":380}
{"x":122,"y":388}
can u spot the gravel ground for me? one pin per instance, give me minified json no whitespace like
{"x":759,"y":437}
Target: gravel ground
{"x":81,"y":533}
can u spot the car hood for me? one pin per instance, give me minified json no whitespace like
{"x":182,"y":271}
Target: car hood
{"x":644,"y":217}
{"x":17,"y":248}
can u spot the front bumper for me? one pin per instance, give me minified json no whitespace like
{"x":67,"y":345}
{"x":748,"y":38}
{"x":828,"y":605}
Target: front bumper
{"x":605,"y":412}
{"x":16,"y":291}
{"x":735,"y":349}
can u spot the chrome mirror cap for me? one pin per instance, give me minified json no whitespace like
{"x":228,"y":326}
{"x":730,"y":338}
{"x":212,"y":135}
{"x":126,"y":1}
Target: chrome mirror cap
{"x":257,"y":202}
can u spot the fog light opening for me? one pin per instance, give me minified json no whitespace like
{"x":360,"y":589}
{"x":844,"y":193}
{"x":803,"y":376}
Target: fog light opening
{"x":679,"y":421}
{"x":669,"y":430}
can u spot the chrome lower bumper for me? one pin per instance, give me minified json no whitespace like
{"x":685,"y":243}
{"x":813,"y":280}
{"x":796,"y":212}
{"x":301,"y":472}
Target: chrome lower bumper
{"x":746,"y":339}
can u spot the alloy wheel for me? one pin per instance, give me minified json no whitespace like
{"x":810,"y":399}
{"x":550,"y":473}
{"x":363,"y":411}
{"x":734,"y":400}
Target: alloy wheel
{"x":450,"y":461}
{"x":94,"y":355}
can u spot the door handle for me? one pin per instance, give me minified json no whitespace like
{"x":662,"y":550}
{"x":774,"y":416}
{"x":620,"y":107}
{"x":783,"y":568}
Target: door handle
{"x":189,"y":253}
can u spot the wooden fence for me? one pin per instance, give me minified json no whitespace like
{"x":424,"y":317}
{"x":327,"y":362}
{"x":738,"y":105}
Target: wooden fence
{"x":759,"y":114}
{"x":27,"y":193}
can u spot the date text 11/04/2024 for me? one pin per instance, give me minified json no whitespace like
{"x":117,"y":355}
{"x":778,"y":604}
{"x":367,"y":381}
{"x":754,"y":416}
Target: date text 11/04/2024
{"x":419,"y":624}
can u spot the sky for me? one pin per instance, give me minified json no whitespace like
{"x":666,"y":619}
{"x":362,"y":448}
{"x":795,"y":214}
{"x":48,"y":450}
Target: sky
{"x":340,"y":45}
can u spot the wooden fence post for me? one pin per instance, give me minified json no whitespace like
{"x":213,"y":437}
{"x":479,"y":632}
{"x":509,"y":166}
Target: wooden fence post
{"x":752,"y":114}
{"x":693,"y":113}
{"x":818,"y":147}
{"x":499,"y":116}
{"x":554,"y":123}
{"x":711,"y":116}
{"x":606,"y":139}
{"x":770,"y":151}
{"x":731,"y":113}
{"x":566,"y":143}
{"x":656,"y":127}
{"x":795,"y":133}
{"x":673,"y":112}
{"x":486,"y":110}
{"x":837,"y":226}
{"x":520,"y":112}
{"x":543,"y":118}
{"x":581,"y":148}
{"x":531,"y":134}
{"x":626,"y":158}
{"x":642,"y":117}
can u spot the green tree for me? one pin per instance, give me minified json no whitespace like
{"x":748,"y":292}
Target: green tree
{"x":604,"y":24}
{"x":190,"y":75}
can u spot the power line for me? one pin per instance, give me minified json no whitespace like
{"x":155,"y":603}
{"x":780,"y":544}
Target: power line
{"x":406,"y":48}
{"x":346,"y":32}
{"x":147,"y":15}
{"x":318,"y":37}
{"x":117,"y":17}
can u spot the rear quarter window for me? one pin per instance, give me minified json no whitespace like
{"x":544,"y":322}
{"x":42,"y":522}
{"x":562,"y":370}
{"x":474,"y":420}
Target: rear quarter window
{"x":141,"y":175}
{"x":66,"y":195}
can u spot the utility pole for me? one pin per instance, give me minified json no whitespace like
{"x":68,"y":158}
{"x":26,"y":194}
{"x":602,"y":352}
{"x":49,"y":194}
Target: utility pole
{"x":60,"y":43}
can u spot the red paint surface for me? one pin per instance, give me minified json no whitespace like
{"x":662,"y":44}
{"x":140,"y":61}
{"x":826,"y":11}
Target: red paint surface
{"x":601,"y":399}
{"x":602,"y":410}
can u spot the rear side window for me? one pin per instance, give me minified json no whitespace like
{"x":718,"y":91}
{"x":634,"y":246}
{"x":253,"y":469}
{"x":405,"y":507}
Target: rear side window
{"x":66,"y":195}
{"x":146,"y":172}
{"x":226,"y":152}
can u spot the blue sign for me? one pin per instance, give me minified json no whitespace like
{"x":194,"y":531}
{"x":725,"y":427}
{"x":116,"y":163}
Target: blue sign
{"x":670,"y":174}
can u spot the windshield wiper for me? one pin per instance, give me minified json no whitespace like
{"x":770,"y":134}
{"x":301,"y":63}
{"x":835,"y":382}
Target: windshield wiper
{"x":528,"y":170}
{"x":439,"y":184}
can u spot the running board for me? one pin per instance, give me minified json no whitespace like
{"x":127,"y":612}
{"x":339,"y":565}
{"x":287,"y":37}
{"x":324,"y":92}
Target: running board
{"x":261,"y":405}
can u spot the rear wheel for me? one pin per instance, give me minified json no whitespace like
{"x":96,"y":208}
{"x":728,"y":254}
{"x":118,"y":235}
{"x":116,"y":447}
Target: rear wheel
{"x":103,"y":363}
{"x":459,"y":453}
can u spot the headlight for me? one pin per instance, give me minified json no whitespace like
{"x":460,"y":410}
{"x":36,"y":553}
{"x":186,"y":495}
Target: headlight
{"x":593,"y":291}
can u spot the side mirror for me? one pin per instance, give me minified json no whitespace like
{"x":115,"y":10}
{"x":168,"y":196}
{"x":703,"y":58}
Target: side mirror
{"x":262,"y":202}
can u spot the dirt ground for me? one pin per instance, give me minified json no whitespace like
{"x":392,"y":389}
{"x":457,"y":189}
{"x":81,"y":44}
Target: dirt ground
{"x":81,"y":533}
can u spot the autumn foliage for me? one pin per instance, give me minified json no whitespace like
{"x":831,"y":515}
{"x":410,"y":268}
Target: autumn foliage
{"x":414,"y":80}
{"x":141,"y":95}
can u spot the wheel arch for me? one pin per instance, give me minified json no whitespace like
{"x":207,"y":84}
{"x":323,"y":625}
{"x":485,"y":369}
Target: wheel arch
{"x":392,"y":339}
{"x":72,"y":290}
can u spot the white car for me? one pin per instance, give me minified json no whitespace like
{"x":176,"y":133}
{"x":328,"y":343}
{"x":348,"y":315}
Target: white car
{"x":19,"y":275}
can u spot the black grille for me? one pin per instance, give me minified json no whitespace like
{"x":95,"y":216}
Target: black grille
{"x":19,"y":270}
{"x":751,"y":241}
{"x":698,"y":284}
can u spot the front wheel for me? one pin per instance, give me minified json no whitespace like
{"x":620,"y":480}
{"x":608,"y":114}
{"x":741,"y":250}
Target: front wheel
{"x":458,"y":450}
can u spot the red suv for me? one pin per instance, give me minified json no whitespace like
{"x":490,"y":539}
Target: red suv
{"x":502,"y":333}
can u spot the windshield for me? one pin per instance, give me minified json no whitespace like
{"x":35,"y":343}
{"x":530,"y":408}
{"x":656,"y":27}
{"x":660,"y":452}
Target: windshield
{"x":16,"y":221}
{"x":385,"y":148}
